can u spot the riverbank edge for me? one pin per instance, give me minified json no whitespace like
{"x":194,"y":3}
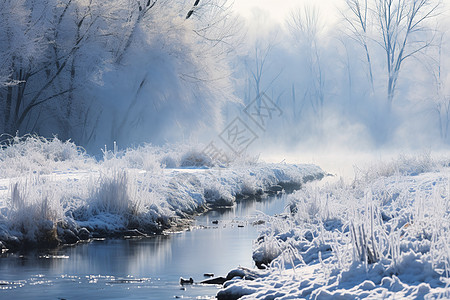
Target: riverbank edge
{"x":64,"y":233}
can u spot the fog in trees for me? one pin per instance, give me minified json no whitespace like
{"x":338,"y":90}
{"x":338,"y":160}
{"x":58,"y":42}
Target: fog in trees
{"x":375,"y":75}
{"x":103,"y":71}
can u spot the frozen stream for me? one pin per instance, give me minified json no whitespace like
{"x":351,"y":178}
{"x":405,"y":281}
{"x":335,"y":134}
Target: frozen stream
{"x":140,"y":268}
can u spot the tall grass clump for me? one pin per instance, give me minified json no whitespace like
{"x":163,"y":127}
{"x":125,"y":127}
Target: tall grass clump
{"x":111,"y":195}
{"x":34,"y":209}
{"x":122,"y":200}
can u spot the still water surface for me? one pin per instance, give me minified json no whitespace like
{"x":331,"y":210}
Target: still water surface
{"x":141,"y":268}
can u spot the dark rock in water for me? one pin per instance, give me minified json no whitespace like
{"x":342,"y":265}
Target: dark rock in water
{"x":208,"y":274}
{"x":215,"y":280}
{"x":262,"y":265}
{"x":244,"y":273}
{"x":46,"y":238}
{"x":234,"y":294}
{"x":235,"y":273}
{"x":83,"y":234}
{"x":70,"y":237}
{"x":90,"y":228}
{"x":215,"y":222}
{"x":186,"y":281}
{"x":231,"y":295}
{"x":262,"y":258}
{"x":240,"y":272}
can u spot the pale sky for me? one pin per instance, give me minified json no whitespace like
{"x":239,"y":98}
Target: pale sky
{"x":279,"y":10}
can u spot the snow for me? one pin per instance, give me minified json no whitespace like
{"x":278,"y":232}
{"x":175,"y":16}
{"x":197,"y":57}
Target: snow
{"x":386,"y":234}
{"x":50,"y":190}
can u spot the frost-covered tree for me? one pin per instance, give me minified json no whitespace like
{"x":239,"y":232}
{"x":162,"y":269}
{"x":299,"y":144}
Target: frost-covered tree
{"x":171,"y":74}
{"x":358,"y":23}
{"x":22,"y":50}
{"x":399,"y":27}
{"x":305,"y":27}
{"x":121,"y":70}
{"x":440,"y":98}
{"x":40,"y":42}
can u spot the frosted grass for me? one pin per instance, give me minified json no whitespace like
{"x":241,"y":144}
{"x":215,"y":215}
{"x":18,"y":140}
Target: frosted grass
{"x":385,"y":234}
{"x":52,"y":192}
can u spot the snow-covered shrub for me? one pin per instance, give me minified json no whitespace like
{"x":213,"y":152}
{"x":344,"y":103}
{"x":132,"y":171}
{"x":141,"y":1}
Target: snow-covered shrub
{"x":145,"y":157}
{"x":216,"y":195}
{"x":312,"y":204}
{"x":194,"y":158}
{"x":249,"y":185}
{"x":31,"y":153}
{"x":149,"y":157}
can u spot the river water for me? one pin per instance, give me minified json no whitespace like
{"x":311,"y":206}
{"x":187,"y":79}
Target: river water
{"x":147,"y":268}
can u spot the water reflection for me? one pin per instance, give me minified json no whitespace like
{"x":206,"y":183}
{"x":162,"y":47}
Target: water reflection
{"x":140,"y":268}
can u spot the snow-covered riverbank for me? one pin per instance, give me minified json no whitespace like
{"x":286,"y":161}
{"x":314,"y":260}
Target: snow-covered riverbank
{"x":384,"y":235}
{"x":53,"y":193}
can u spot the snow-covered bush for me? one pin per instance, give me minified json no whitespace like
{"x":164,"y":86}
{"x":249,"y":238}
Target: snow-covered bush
{"x":34,"y":154}
{"x":195,"y":159}
{"x":149,"y":157}
{"x":145,"y":157}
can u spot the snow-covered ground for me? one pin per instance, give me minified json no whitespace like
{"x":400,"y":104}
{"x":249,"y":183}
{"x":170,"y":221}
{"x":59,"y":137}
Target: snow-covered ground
{"x":51,"y":192}
{"x":384,"y":235}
